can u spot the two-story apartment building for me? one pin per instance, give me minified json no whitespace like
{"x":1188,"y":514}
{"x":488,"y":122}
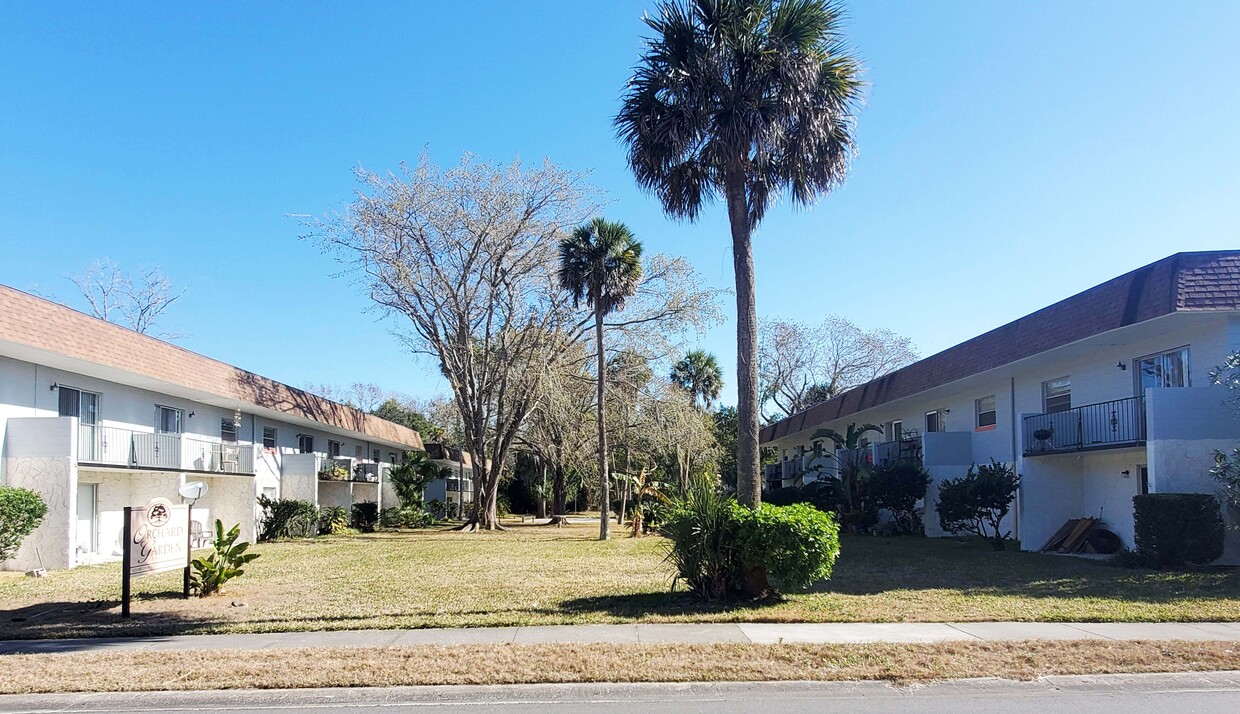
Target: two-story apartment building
{"x":95,"y":417}
{"x":1096,"y":398}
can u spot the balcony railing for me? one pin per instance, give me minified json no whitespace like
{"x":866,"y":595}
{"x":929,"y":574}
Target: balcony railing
{"x":1120,"y":422}
{"x":114,"y":446}
{"x":900,"y":450}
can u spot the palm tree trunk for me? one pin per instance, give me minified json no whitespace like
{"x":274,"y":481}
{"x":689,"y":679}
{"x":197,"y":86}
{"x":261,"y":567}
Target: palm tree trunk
{"x":748,"y":484}
{"x":604,"y":516}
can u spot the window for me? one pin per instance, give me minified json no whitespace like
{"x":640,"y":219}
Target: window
{"x":305,"y":444}
{"x":228,"y":431}
{"x":333,"y":448}
{"x":358,"y":451}
{"x":1168,"y":369}
{"x":269,"y":437}
{"x":270,"y":492}
{"x":167,"y":420}
{"x":1057,"y":395}
{"x":379,"y":457}
{"x":76,"y":403}
{"x":936,"y":421}
{"x":895,"y":430}
{"x":985,"y":410}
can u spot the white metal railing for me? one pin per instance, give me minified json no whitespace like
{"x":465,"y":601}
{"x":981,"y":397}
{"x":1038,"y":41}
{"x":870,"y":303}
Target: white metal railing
{"x":114,"y":446}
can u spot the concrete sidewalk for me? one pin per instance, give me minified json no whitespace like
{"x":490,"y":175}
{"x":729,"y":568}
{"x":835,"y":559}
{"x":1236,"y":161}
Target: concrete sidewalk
{"x":759,"y":633}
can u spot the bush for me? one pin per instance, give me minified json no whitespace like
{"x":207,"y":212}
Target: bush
{"x":796,"y":544}
{"x":824,"y":494}
{"x":333,"y":520}
{"x":1177,"y":528}
{"x":288,"y":518}
{"x":208,"y":575}
{"x":407,"y":517}
{"x":21,"y":511}
{"x":898,"y":487}
{"x":366,"y":516}
{"x":978,"y":502}
{"x":720,"y":548}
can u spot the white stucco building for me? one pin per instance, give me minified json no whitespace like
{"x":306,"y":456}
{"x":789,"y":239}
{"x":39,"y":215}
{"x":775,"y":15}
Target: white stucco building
{"x":1097,"y":398}
{"x":95,"y":417}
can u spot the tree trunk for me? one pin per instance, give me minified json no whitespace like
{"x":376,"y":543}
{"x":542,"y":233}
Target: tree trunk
{"x":559,"y":496}
{"x":604,"y":497}
{"x":748,"y":482}
{"x":486,"y":497}
{"x":541,"y":507}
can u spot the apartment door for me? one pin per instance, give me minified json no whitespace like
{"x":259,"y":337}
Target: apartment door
{"x":86,"y":521}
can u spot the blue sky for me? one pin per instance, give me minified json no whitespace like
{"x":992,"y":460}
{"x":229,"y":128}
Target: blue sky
{"x":1011,"y":154}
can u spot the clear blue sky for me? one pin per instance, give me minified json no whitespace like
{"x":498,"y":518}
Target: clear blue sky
{"x":1012,"y":153}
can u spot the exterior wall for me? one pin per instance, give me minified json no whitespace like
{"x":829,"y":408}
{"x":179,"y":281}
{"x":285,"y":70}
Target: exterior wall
{"x":299,"y":477}
{"x":37,"y":456}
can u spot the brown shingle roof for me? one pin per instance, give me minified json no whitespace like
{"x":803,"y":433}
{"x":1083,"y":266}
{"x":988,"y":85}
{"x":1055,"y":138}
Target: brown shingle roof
{"x":43,"y":325}
{"x":1181,"y":282}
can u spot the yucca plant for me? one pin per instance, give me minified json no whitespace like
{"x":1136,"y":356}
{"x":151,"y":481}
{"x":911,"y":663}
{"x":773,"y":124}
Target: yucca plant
{"x":208,"y":575}
{"x":701,"y":541}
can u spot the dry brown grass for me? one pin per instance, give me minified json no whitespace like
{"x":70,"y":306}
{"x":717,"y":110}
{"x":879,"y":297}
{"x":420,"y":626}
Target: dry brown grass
{"x":522,"y":664}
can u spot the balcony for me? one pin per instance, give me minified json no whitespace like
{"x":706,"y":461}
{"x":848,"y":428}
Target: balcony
{"x":889,"y":452}
{"x":342,"y":468}
{"x":113,"y":446}
{"x":1107,"y":425}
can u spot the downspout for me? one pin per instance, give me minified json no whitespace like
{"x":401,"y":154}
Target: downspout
{"x":1019,"y":501}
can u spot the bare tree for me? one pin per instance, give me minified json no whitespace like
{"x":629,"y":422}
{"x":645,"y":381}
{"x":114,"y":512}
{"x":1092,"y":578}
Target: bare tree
{"x":115,"y":296}
{"x":467,"y":256}
{"x":364,"y":396}
{"x":802,"y":365}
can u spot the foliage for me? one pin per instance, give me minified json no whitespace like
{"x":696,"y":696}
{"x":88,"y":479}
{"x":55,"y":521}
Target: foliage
{"x":333,"y":520}
{"x":701,"y":542}
{"x":741,"y":99}
{"x":225,"y":562}
{"x":334,"y":471}
{"x":287,"y":518}
{"x":365,"y":516}
{"x":978,"y":502}
{"x":21,"y":511}
{"x":406,"y":517}
{"x":897,"y":487}
{"x":1172,"y":529}
{"x":796,"y":544}
{"x":698,"y":374}
{"x":1226,"y":471}
{"x":853,"y":465}
{"x":825,"y":494}
{"x":407,"y":414}
{"x":411,"y":478}
{"x":643,"y":488}
{"x":801,"y":365}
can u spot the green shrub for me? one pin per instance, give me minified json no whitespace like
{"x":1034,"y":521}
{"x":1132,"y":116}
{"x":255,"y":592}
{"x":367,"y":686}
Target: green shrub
{"x":208,"y":575}
{"x":796,"y":544}
{"x":720,"y":548}
{"x":1177,"y":528}
{"x":366,"y":516}
{"x":21,"y":511}
{"x":701,"y":542}
{"x":288,"y":518}
{"x":825,"y":494}
{"x":897,"y":487}
{"x":978,"y":502}
{"x":406,"y":517}
{"x":333,"y":520}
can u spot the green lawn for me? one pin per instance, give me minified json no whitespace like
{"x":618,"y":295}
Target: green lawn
{"x":541,"y":575}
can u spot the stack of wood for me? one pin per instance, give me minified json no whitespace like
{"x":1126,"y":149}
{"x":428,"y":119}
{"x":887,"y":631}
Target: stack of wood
{"x":1072,"y":537}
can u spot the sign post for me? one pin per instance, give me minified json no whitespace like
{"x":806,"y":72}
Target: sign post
{"x":157,"y":539}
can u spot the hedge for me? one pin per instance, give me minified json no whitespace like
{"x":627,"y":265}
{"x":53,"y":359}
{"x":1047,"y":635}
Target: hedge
{"x":1173,"y":529}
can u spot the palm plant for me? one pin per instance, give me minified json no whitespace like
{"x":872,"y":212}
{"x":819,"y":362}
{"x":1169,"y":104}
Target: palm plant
{"x":411,"y":478}
{"x":852,"y":463}
{"x":643,"y":488}
{"x":742,"y":99}
{"x":600,"y":264}
{"x":699,"y":375}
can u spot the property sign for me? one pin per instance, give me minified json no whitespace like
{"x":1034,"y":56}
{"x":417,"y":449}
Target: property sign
{"x":157,"y":539}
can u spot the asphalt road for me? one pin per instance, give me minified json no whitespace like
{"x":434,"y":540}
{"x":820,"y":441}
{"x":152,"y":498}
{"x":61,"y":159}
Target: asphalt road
{"x":1122,"y":694}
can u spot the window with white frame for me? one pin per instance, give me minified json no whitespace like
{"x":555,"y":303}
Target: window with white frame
{"x":936,"y":421}
{"x":894,"y":430}
{"x":305,"y":444}
{"x":77,"y":403}
{"x":333,"y":448}
{"x":168,"y":419}
{"x":1057,"y":395}
{"x":984,"y":409}
{"x":269,"y":437}
{"x":1165,"y":369}
{"x":228,"y":431}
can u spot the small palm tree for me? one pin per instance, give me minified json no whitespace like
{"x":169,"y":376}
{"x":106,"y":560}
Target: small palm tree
{"x":699,"y":375}
{"x":600,"y":264}
{"x":644,"y":488}
{"x":853,"y":463}
{"x":410,"y":479}
{"x":742,"y":99}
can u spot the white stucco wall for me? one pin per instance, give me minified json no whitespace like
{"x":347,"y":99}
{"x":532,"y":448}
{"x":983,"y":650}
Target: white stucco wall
{"x":38,"y":455}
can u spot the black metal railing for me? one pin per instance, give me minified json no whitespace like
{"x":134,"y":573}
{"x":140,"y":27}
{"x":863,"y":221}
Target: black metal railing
{"x":1120,"y":422}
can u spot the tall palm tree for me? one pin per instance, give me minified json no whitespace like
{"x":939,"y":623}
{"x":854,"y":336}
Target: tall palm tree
{"x":601,"y":265}
{"x":699,"y":375}
{"x":742,"y":99}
